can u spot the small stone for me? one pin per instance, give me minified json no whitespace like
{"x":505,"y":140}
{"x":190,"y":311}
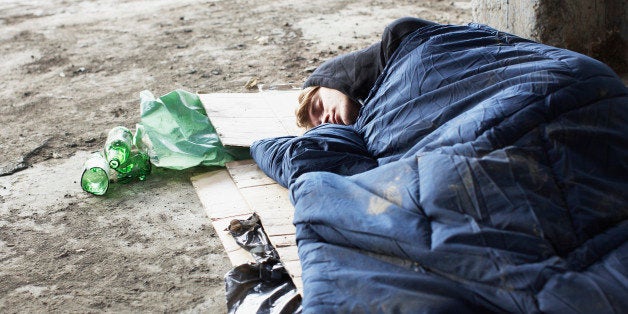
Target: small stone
{"x":263,"y":40}
{"x":251,"y":83}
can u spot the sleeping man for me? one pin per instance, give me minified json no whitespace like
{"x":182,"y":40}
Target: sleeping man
{"x":459,"y":169}
{"x":337,"y":89}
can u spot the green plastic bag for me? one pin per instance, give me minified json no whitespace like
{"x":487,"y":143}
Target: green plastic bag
{"x":176,"y":133}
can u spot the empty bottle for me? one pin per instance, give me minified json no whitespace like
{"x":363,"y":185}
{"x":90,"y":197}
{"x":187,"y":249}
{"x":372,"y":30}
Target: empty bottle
{"x":137,"y":166}
{"x":95,"y":178}
{"x":118,"y":146}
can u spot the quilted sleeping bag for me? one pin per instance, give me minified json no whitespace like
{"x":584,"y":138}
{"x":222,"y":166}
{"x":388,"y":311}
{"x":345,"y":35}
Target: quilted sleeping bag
{"x":485,"y":173}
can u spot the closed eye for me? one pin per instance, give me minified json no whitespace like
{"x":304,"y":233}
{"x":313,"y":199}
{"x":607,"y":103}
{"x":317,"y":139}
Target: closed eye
{"x":316,"y":110}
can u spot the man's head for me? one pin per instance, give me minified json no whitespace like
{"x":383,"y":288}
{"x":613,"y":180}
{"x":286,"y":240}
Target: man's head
{"x":318,"y":105}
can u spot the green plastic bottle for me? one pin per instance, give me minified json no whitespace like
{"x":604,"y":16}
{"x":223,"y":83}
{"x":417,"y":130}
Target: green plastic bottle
{"x":95,"y":177}
{"x":118,"y":146}
{"x":137,"y":166}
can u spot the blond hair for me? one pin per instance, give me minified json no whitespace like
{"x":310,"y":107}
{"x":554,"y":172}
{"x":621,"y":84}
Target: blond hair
{"x":303,"y":111}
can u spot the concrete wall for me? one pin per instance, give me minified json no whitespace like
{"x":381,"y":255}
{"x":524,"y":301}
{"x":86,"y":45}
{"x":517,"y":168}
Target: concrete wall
{"x":598,"y":28}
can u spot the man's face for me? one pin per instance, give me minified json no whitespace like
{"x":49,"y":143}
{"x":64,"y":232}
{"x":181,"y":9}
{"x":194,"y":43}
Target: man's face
{"x":332,"y":106}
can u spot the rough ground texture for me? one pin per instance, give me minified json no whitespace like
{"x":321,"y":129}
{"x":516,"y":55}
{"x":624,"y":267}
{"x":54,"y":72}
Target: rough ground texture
{"x":71,"y":70}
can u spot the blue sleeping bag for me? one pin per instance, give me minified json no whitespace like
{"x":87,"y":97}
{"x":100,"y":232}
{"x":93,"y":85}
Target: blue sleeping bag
{"x":485,"y":173}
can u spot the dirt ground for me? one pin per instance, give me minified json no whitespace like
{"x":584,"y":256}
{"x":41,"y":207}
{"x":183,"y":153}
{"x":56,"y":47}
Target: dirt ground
{"x":71,"y":70}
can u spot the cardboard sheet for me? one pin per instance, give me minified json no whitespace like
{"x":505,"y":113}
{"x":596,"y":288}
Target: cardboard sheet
{"x":239,"y":191}
{"x":223,"y":202}
{"x":272,"y":204}
{"x":242,"y":118}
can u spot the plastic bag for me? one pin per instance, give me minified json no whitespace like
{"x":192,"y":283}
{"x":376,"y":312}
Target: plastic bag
{"x":261,"y":288}
{"x":176,"y":133}
{"x":264,"y":286}
{"x":250,"y":235}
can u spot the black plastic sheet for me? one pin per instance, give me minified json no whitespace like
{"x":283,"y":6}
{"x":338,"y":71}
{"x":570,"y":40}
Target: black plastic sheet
{"x":264,"y":286}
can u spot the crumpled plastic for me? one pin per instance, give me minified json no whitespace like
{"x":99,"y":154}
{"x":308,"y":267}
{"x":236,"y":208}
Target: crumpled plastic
{"x":261,"y":288}
{"x":176,"y":133}
{"x":264,"y":286}
{"x":250,"y":236}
